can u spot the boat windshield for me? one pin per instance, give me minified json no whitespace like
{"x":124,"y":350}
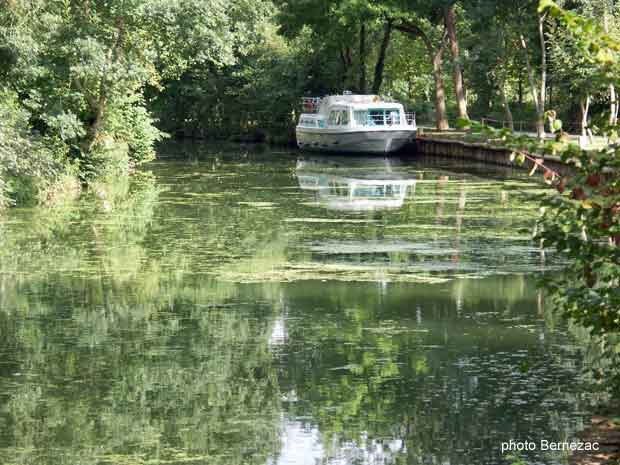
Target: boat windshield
{"x":377,"y":117}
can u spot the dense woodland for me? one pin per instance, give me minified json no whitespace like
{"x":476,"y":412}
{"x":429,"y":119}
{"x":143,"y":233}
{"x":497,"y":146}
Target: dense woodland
{"x":88,"y":87}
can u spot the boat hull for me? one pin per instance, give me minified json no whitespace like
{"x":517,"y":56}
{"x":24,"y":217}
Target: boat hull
{"x":378,"y":141}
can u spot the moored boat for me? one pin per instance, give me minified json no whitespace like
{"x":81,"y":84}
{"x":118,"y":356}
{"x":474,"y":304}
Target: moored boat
{"x":353,"y":123}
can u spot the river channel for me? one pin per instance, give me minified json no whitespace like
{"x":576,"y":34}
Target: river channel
{"x":237,"y":305}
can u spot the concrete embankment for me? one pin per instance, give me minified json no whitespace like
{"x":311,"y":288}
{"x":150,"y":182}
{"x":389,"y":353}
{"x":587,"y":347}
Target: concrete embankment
{"x":433,"y":144}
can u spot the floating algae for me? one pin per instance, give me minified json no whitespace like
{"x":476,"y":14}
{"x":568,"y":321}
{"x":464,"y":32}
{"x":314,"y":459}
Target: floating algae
{"x":328,"y":220}
{"x":258,"y":204}
{"x":307,"y":271}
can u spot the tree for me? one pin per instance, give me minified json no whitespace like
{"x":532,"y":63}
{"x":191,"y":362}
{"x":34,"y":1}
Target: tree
{"x":581,"y":218}
{"x":605,"y":14}
{"x":344,"y":25}
{"x":573,"y":68}
{"x":434,"y":40}
{"x":539,"y":91}
{"x":81,"y":67}
{"x":434,"y":23}
{"x":457,"y":75}
{"x":380,"y":66}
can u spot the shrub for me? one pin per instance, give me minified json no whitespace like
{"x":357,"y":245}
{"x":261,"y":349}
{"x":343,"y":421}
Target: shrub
{"x":30,"y":165}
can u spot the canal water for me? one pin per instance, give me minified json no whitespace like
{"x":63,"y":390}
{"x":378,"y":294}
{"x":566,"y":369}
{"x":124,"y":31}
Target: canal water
{"x":233,"y":305}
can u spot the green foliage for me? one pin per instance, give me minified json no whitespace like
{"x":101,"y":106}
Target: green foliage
{"x":133,"y":124}
{"x":256,"y":98}
{"x":583,"y":220}
{"x":30,"y":165}
{"x":79,"y":69}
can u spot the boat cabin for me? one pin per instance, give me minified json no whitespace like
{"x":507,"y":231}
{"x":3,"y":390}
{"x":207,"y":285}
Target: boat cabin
{"x":351,"y":111}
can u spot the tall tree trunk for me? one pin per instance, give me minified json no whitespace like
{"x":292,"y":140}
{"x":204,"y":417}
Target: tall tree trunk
{"x":457,"y":75}
{"x":538,"y":98}
{"x":540,"y":126}
{"x":378,"y":79}
{"x":347,"y":63}
{"x":362,"y":57}
{"x":98,"y":103}
{"x":613,"y":110}
{"x":440,"y":93}
{"x":345,"y":69}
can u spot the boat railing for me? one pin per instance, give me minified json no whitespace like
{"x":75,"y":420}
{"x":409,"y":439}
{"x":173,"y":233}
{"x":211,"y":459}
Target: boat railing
{"x":310,"y":104}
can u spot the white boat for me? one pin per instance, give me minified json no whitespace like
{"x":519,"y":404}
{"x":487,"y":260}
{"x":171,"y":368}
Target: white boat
{"x":353,"y":123}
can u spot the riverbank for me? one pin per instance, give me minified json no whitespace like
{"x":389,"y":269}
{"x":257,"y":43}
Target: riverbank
{"x":460,"y":145}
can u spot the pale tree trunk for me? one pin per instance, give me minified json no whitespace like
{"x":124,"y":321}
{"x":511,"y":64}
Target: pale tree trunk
{"x":538,"y":98}
{"x":613,"y":105}
{"x":378,"y":78}
{"x":506,"y":104}
{"x":457,"y":74}
{"x":584,"y":103}
{"x":502,"y":87}
{"x":540,"y":126}
{"x":440,"y":93}
{"x":540,"y":118}
{"x":362,"y":56}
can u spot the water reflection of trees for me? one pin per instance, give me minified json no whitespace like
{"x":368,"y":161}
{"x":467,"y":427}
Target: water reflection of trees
{"x":411,"y":372}
{"x":114,"y":358}
{"x":121,"y":342}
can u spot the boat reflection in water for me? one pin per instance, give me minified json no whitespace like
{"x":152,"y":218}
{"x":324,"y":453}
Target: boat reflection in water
{"x":354,"y":183}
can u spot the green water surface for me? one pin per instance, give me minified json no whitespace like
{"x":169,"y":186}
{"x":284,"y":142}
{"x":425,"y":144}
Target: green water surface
{"x":245,"y":306}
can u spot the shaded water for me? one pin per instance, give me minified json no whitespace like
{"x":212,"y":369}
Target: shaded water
{"x":257,"y":307}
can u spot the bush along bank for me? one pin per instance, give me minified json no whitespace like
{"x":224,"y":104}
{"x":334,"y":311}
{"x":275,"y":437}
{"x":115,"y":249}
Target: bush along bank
{"x":73,"y":80}
{"x":45,"y":162}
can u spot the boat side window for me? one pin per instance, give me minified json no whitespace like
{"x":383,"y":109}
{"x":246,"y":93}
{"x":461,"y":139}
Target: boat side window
{"x":376,"y":117}
{"x":361,"y":117}
{"x":393,"y":117}
{"x":321,"y":123}
{"x":333,"y":118}
{"x":308,"y":122}
{"x":338,"y":118}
